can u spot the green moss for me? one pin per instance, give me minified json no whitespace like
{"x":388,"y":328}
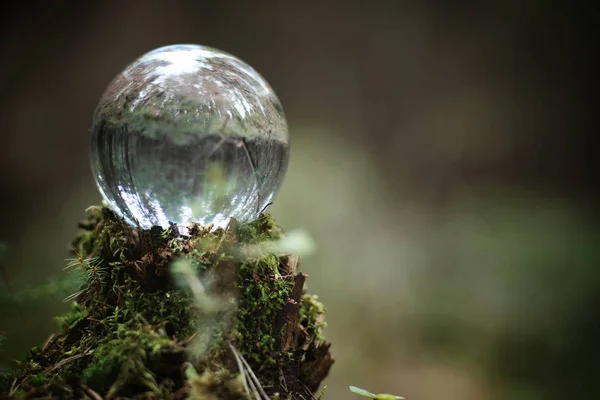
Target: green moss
{"x":264,"y":228}
{"x":132,"y":321}
{"x":37,"y":379}
{"x":69,"y":320}
{"x":123,"y":359}
{"x":312,"y":313}
{"x":263,"y":293}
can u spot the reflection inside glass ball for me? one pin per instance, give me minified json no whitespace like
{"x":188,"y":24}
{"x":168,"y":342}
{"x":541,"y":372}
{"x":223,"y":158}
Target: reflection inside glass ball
{"x":188,"y":134}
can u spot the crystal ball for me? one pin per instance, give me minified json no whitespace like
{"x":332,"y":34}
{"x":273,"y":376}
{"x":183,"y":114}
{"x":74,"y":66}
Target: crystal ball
{"x":188,"y":134}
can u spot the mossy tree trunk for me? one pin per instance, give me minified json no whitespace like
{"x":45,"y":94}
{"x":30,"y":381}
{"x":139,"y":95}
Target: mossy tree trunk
{"x":161,"y":315}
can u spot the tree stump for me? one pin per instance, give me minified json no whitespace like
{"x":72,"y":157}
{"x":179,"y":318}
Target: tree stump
{"x":162,"y":315}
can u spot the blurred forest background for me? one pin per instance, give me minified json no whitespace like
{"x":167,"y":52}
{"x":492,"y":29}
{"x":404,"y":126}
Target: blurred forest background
{"x":441,"y":158}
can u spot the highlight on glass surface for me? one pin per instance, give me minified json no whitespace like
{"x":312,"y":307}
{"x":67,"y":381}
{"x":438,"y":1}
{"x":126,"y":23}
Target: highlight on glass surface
{"x":188,"y":134}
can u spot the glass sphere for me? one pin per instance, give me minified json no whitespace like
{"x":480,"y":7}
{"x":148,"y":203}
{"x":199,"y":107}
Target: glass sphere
{"x":188,"y":134}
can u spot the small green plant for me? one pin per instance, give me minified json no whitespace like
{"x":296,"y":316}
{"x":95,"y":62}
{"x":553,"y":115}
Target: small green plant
{"x":93,"y":275}
{"x":381,"y":396}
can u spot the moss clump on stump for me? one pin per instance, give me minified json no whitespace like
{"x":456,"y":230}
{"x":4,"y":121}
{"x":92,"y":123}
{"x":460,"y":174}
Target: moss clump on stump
{"x":136,"y":330}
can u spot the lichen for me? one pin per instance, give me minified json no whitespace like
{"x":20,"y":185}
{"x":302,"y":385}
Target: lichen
{"x":133,"y":325}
